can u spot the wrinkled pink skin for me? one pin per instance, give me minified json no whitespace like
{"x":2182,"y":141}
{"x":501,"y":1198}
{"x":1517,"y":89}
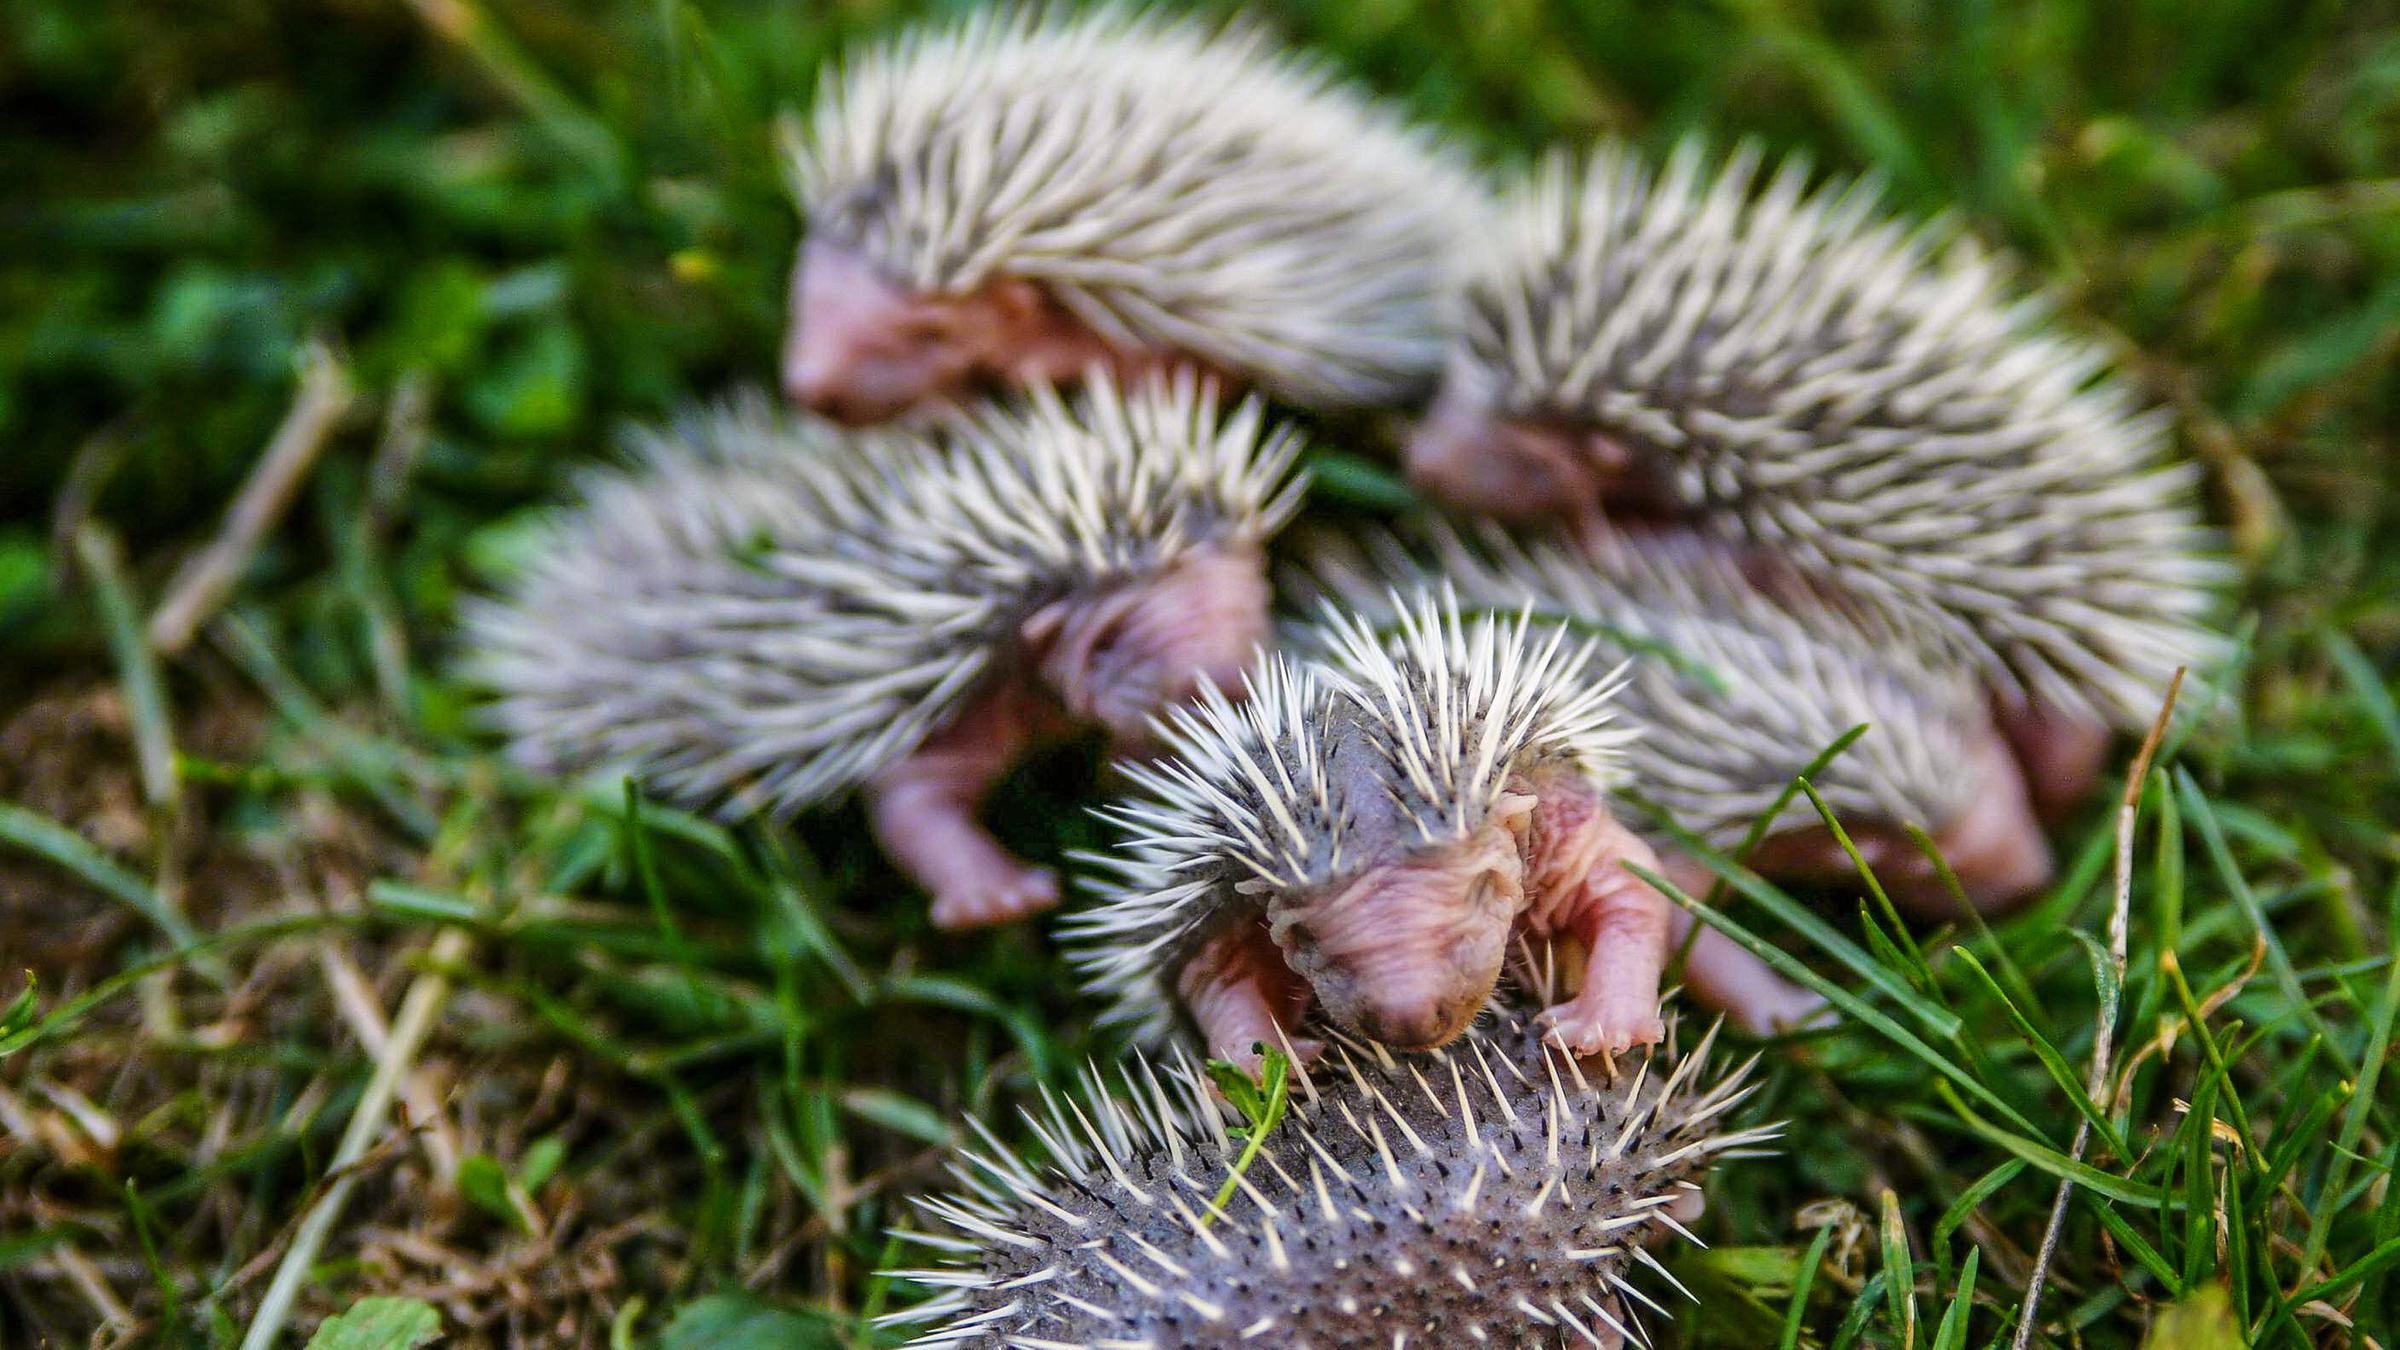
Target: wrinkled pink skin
{"x":862,"y":349}
{"x":1406,"y":952}
{"x":1114,"y":659}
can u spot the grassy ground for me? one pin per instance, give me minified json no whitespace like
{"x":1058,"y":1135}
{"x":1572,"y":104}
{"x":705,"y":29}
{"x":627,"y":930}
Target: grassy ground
{"x":677,"y":1081}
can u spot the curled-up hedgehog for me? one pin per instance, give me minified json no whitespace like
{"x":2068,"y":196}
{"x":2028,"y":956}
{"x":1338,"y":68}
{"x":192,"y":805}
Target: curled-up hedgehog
{"x":1369,"y":834}
{"x":1735,"y":687}
{"x":1791,"y":370}
{"x":1025,"y":194}
{"x":1495,"y":1193}
{"x":765,"y":613}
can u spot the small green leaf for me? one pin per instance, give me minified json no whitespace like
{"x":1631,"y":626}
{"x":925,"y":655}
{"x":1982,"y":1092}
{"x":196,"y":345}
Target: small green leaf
{"x":542,"y":1159}
{"x":19,"y":1012}
{"x":482,"y":1181}
{"x":1353,"y":481}
{"x":741,"y":1322}
{"x":1262,"y":1103}
{"x":379,"y":1324}
{"x":1239,"y":1088}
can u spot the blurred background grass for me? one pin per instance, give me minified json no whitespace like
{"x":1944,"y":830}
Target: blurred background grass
{"x":517,"y":225}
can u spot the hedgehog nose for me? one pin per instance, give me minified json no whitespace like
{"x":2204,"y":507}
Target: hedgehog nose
{"x":1419,"y":1026}
{"x":820,"y":386}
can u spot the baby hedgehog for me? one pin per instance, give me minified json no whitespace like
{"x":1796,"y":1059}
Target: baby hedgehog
{"x":1024,"y":194}
{"x":1369,"y":834}
{"x":764,"y":613}
{"x":1792,"y":370}
{"x":1490,"y":1194}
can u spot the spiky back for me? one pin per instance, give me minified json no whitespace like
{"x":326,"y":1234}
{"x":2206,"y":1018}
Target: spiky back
{"x":763,"y":611}
{"x":1487,"y":1194}
{"x":1171,"y":185}
{"x":1734,"y":691}
{"x":1866,"y":397}
{"x":1405,"y":730}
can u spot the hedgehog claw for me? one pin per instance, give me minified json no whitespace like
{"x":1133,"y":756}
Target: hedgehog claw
{"x":1000,"y":898}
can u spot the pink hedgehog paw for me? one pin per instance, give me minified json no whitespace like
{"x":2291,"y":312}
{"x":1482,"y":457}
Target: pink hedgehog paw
{"x":1001,"y":897}
{"x":1588,"y":1026}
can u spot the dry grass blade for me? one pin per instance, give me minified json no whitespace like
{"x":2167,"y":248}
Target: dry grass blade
{"x":409,"y":1029}
{"x":2104,"y":1024}
{"x":203,"y":584}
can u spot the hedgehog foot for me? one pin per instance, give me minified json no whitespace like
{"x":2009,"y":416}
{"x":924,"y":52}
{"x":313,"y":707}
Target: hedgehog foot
{"x":1008,"y":892}
{"x":1619,"y":920}
{"x":1245,"y":999}
{"x":2061,"y":754}
{"x":923,"y":811}
{"x":1601,"y":1025}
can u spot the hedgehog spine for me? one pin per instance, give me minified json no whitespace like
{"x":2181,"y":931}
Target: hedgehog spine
{"x":1864,"y":397}
{"x":1114,"y":1239}
{"x":761,"y":612}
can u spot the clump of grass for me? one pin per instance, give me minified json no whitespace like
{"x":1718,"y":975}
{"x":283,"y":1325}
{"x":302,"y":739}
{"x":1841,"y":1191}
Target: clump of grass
{"x":683,"y":1077}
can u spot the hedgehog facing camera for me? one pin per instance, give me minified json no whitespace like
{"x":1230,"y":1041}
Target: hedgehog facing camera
{"x":1371,"y":834}
{"x":1024,"y":195}
{"x":1787,"y":368}
{"x":765,"y":614}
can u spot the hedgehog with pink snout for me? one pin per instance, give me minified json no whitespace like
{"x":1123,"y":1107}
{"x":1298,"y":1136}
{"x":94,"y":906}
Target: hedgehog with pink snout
{"x":1029,"y":193}
{"x":1370,"y":836}
{"x":767,"y":613}
{"x":1867,"y":403}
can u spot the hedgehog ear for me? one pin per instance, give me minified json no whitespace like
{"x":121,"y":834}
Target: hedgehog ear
{"x":1513,"y":811}
{"x":1043,"y":624}
{"x":1036,"y":339}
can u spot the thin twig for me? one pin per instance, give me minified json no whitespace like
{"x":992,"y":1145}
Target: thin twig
{"x":424,"y":999}
{"x":354,"y":998}
{"x":2104,"y":1022}
{"x":93,"y":1285}
{"x":201,"y":585}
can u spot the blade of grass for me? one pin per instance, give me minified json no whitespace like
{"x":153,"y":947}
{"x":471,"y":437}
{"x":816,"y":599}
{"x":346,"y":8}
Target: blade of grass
{"x":1952,"y":1333}
{"x":1796,"y":917}
{"x":2054,"y":1063}
{"x":418,"y":1009}
{"x":56,"y":844}
{"x":2279,"y":960}
{"x":2104,"y":1020}
{"x":2362,"y":1099}
{"x":1799,"y":973}
{"x":2050,"y":1160}
{"x":145,"y":700}
{"x":1797,"y":1311}
{"x":1900,"y":1271}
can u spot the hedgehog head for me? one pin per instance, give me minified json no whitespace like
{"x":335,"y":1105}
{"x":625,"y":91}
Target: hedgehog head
{"x":1119,"y":656}
{"x":1407,"y":951}
{"x":862,"y":349}
{"x":1133,"y":520}
{"x":1026,"y":194}
{"x":1467,"y":454}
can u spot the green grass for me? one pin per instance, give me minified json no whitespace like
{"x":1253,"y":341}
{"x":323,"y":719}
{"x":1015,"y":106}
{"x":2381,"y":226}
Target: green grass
{"x":691,"y":1073}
